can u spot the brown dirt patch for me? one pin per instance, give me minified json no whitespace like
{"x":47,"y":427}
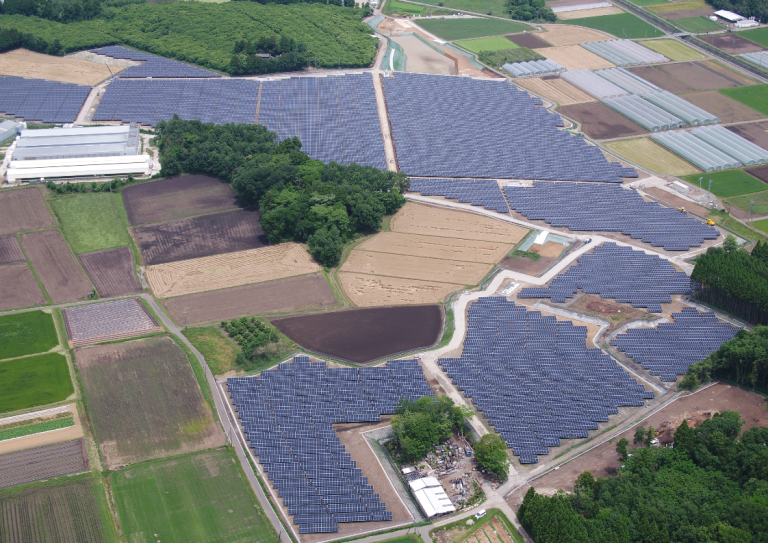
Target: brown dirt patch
{"x":144,"y":401}
{"x":727,"y":72}
{"x":23,"y":209}
{"x":302,"y":293}
{"x":757,"y":133}
{"x":363,"y":335}
{"x":18,"y":288}
{"x":23,"y":63}
{"x":43,"y":463}
{"x":549,"y":249}
{"x":415,"y":267}
{"x":230,"y":270}
{"x":200,"y":236}
{"x":661,"y":79}
{"x":559,"y":35}
{"x":603,"y":461}
{"x":526,"y":265}
{"x":575,"y":57}
{"x":55,"y":265}
{"x":697,"y":76}
{"x":616,"y":314}
{"x":556,"y":90}
{"x":10,"y":252}
{"x":727,"y":109}
{"x":531,"y":41}
{"x":668,"y":199}
{"x":732,"y":43}
{"x":111,"y":271}
{"x":178,"y":198}
{"x":47,"y":438}
{"x":761,"y":173}
{"x":422,"y":58}
{"x":597,"y":12}
{"x":601,"y":122}
{"x":371,"y":290}
{"x":434,"y":247}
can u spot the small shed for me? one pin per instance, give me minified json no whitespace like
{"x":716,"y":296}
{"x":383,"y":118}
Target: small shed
{"x":9,"y":129}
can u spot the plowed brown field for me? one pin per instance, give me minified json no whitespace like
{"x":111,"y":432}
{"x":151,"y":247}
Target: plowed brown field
{"x":435,"y":247}
{"x":230,"y":270}
{"x":556,"y":90}
{"x":597,"y":12}
{"x":18,"y":288}
{"x":727,"y":109}
{"x":601,"y":122}
{"x":55,"y":265}
{"x":111,"y":271}
{"x":571,"y":35}
{"x":574,"y":57}
{"x":10,"y":252}
{"x":698,"y":76}
{"x":372,"y":290}
{"x":23,"y":209}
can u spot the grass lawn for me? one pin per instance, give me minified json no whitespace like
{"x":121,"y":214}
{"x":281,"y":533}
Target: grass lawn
{"x":724,"y":219}
{"x":198,"y":497}
{"x":499,"y":8}
{"x":393,"y":6}
{"x":91,"y":221}
{"x":760,"y":207}
{"x":758,"y":35}
{"x":487,"y":44}
{"x":458,"y":29}
{"x":621,"y":25}
{"x":754,"y":96}
{"x":647,"y":2}
{"x":674,"y":7}
{"x":217,"y":350}
{"x":761,"y":225}
{"x":696,"y":24}
{"x":410,"y":538}
{"x":672,"y":49}
{"x":728,"y":183}
{"x":37,"y":380}
{"x":27,"y":333}
{"x":649,"y":154}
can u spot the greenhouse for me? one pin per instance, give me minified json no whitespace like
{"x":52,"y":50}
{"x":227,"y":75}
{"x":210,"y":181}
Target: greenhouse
{"x":644,"y":113}
{"x":593,"y":84}
{"x":761,"y":59}
{"x":624,"y":52}
{"x":627,"y":80}
{"x":697,"y":152}
{"x":732,"y":144}
{"x":533,"y":67}
{"x":678,"y":107}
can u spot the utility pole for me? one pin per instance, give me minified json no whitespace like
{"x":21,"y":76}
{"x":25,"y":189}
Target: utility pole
{"x":709,"y":191}
{"x":185,"y":318}
{"x":751,"y":203}
{"x":700,"y":179}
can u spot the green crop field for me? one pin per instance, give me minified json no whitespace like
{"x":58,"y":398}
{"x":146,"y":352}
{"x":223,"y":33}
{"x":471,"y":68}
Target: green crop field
{"x":26,"y":333}
{"x":458,"y":29}
{"x":37,"y":428}
{"x":497,"y":8}
{"x":672,"y":49}
{"x":621,"y":25}
{"x":727,"y":183}
{"x":696,"y":24}
{"x":758,"y":35}
{"x":35,"y":380}
{"x":648,"y":2}
{"x":761,"y":225}
{"x":217,"y":350}
{"x":760,"y":199}
{"x":199,"y":497}
{"x":92,"y":221}
{"x":754,"y":96}
{"x":402,"y":8}
{"x":497,"y":43}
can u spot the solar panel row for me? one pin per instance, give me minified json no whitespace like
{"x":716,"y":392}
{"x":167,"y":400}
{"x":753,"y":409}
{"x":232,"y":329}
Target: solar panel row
{"x":40,"y":100}
{"x":478,"y":192}
{"x":153,"y":66}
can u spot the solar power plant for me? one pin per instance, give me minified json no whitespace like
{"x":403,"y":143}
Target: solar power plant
{"x":288,"y":413}
{"x":469,"y":128}
{"x":629,"y":276}
{"x":478,"y":192}
{"x":153,"y":66}
{"x":41,"y":100}
{"x":621,"y":171}
{"x":608,"y":208}
{"x":534,"y":378}
{"x":150,"y":101}
{"x":668,"y":349}
{"x":336,"y":117}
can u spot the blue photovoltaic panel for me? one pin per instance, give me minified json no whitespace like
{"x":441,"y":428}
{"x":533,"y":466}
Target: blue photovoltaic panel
{"x":478,"y":192}
{"x":40,"y":100}
{"x":153,"y":66}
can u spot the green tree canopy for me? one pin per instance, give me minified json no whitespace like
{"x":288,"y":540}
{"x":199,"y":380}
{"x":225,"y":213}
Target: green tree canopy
{"x":491,"y":453}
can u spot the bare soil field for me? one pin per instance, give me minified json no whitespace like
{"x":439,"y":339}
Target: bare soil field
{"x":661,"y":79}
{"x":45,"y":438}
{"x":526,"y":265}
{"x":559,"y":35}
{"x":422,"y":58}
{"x":550,"y":249}
{"x":23,"y":209}
{"x":230,"y":270}
{"x":10,"y":252}
{"x":757,"y":133}
{"x":732,"y":44}
{"x":668,"y":199}
{"x":435,"y":247}
{"x":23,"y":63}
{"x":556,"y":90}
{"x":727,"y":109}
{"x":727,"y":72}
{"x":371,"y":290}
{"x":56,"y":266}
{"x":575,"y":57}
{"x":616,"y":314}
{"x":434,"y":221}
{"x":302,"y":293}
{"x":178,"y":198}
{"x":43,"y":463}
{"x":603,"y":461}
{"x":531,"y":41}
{"x":200,"y":236}
{"x":18,"y":288}
{"x":145,"y":401}
{"x":601,"y":122}
{"x":415,"y":267}
{"x":597,"y":12}
{"x":761,"y":173}
{"x":111,"y":271}
{"x":363,"y":335}
{"x":695,"y":75}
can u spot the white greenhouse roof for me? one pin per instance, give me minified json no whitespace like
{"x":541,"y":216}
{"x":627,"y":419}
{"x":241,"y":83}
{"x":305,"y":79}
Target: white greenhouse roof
{"x":729,"y":15}
{"x":431,"y":497}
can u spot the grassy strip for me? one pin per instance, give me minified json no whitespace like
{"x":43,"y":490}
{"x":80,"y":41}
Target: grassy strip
{"x":448,"y":329}
{"x":740,"y":229}
{"x":38,"y":428}
{"x":525,"y":254}
{"x":199,"y":372}
{"x":218,"y":351}
{"x":458,"y":29}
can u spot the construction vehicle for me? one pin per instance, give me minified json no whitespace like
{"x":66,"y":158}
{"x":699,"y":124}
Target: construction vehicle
{"x":710,"y":222}
{"x":682,"y":210}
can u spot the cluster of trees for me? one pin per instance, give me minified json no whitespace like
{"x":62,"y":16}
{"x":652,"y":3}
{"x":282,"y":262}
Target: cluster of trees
{"x":530,"y":10}
{"x":287,"y":56}
{"x":735,"y":280}
{"x":64,"y":11}
{"x":712,"y":487}
{"x":748,"y":8}
{"x":256,"y":338}
{"x":70,"y":188}
{"x":499,"y":58}
{"x":300,"y":199}
{"x":491,"y":453}
{"x":346,"y":3}
{"x":420,"y":425}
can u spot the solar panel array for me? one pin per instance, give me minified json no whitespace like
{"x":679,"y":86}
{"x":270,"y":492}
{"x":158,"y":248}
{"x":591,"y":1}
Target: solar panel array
{"x":462,"y":127}
{"x":629,"y":276}
{"x":150,"y":101}
{"x":288,"y":413}
{"x":534,"y":378}
{"x":621,"y":171}
{"x":608,"y":208}
{"x":41,"y":100}
{"x":336,"y":118}
{"x":478,"y":192}
{"x":153,"y":66}
{"x":668,"y":349}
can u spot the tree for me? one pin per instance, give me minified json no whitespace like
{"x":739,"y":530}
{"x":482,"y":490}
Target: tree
{"x":730,"y":244}
{"x":639,"y":438}
{"x":760,"y":251}
{"x":419,"y":425}
{"x":685,"y":438}
{"x":650,"y":434}
{"x":491,"y":453}
{"x":621,"y":449}
{"x":326,"y":246}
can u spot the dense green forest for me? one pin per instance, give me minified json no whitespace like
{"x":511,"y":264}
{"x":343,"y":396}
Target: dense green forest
{"x":300,"y":199}
{"x":206,"y":34}
{"x":712,"y":487}
{"x":748,"y":8}
{"x":65,"y":11}
{"x":530,"y":10}
{"x":735,"y":281}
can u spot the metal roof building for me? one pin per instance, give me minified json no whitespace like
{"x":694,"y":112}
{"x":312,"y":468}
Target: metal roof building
{"x":85,"y":142}
{"x":9,"y":129}
{"x":78,"y":168}
{"x":431,"y":496}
